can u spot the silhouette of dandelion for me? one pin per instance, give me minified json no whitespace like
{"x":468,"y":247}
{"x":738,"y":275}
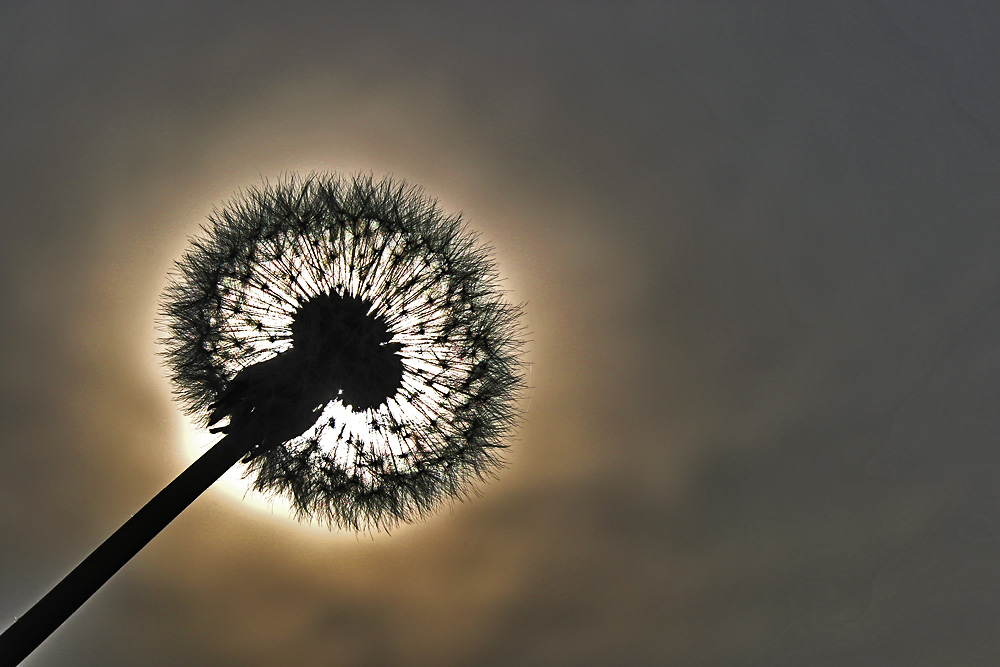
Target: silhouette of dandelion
{"x":357,"y":334}
{"x":352,"y":343}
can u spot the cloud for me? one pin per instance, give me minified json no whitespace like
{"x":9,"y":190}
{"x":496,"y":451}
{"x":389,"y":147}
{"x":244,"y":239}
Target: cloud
{"x":758,"y":254}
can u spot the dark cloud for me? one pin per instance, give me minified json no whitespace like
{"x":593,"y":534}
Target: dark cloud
{"x":757,"y":243}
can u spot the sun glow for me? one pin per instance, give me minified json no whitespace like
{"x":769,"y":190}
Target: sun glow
{"x":195,"y":441}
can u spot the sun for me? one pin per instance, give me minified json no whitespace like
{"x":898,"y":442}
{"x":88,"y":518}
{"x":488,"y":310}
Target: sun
{"x":354,"y":339}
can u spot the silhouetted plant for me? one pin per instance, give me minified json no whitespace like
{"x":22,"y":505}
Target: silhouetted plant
{"x":353,"y":344}
{"x":374,"y":323}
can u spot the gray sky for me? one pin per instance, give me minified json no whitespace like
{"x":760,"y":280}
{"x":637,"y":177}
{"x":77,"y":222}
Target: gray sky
{"x":757,"y":242}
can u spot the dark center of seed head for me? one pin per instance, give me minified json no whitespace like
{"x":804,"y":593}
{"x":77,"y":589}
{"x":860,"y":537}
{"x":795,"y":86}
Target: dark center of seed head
{"x":350,"y":349}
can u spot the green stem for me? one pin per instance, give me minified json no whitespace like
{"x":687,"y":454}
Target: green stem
{"x":40,"y":621}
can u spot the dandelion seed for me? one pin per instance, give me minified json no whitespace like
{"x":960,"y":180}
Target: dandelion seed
{"x":324,"y":301}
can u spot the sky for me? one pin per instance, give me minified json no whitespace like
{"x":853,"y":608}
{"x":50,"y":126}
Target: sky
{"x":757,"y":246}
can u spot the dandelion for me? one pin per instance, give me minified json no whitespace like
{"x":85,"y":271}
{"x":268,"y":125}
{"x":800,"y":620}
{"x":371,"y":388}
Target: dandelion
{"x":357,"y":336}
{"x":351,"y":342}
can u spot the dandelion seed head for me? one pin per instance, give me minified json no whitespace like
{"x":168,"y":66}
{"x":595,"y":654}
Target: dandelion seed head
{"x":394,"y":312}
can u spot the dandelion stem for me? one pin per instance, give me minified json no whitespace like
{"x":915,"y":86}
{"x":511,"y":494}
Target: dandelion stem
{"x":31,"y":629}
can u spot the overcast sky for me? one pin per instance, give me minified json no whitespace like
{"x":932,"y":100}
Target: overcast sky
{"x":758,"y":243}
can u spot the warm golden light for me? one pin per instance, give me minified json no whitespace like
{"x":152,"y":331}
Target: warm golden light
{"x":195,"y":441}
